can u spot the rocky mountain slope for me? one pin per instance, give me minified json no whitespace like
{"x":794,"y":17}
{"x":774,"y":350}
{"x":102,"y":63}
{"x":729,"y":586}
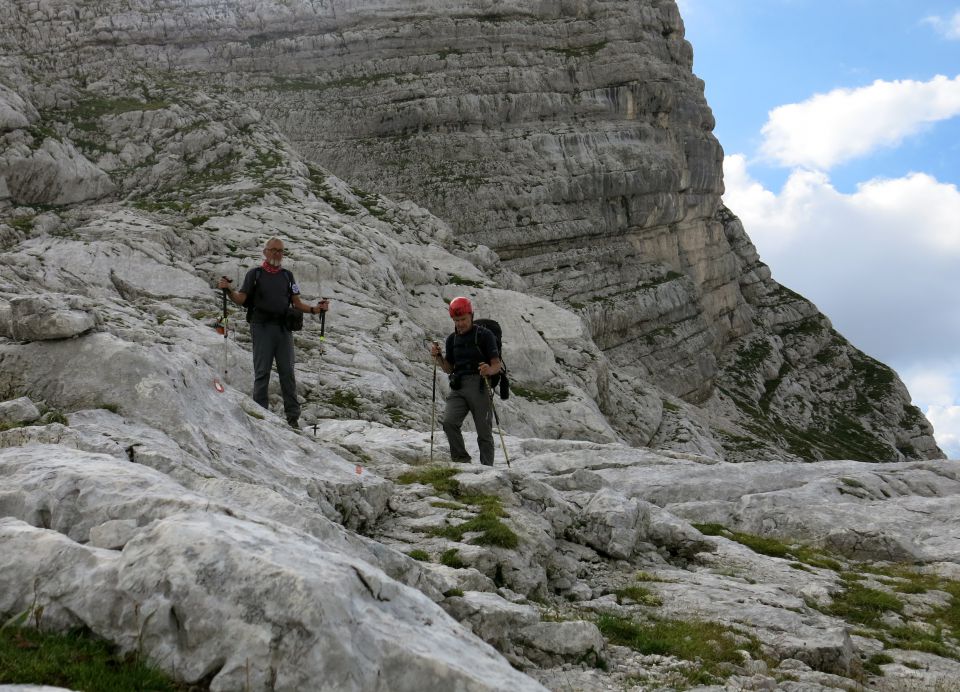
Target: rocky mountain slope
{"x":570,"y":137}
{"x":654,"y":432}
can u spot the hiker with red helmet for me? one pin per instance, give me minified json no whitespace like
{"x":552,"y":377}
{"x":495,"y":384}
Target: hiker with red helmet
{"x":470,"y":355}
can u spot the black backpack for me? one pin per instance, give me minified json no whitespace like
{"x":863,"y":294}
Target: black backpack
{"x":500,"y":378}
{"x":293,"y":318}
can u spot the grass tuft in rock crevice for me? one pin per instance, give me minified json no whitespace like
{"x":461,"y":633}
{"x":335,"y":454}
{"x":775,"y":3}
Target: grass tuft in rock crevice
{"x":78,"y":661}
{"x":489,"y":508}
{"x":714,"y":647}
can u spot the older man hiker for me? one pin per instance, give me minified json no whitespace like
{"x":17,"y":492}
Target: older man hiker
{"x":271,"y":296}
{"x":470,"y":355}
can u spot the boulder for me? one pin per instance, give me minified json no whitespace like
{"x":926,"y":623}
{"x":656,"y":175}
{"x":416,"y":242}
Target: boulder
{"x":18,"y":411}
{"x":15,"y":112}
{"x":554,"y":643}
{"x":188,"y":593}
{"x":50,"y":316}
{"x":611,"y":523}
{"x":54,"y":173}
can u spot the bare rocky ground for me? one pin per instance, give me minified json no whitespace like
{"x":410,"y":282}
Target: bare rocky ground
{"x":188,"y":524}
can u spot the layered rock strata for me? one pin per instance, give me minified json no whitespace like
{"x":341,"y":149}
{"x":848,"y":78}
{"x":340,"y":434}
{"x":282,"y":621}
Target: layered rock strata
{"x":209,"y":532}
{"x":572,"y":138}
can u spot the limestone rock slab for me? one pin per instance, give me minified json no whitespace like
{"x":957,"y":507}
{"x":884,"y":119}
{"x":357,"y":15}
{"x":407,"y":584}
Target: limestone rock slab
{"x":54,"y":173}
{"x":18,"y":411}
{"x":50,"y":316}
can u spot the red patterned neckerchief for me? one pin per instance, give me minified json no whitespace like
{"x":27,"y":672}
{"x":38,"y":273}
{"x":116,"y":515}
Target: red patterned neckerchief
{"x":269,"y":268}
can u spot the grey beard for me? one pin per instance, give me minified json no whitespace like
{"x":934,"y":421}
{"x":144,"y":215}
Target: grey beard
{"x":273,"y":261}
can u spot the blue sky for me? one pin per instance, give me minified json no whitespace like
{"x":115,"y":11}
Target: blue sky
{"x":840,"y":122}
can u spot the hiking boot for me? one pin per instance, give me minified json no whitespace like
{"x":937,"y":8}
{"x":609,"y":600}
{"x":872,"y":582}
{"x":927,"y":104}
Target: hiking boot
{"x":293,"y":423}
{"x":465,"y":460}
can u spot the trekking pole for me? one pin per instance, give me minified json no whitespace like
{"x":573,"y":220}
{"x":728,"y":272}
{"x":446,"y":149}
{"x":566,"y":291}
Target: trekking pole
{"x":486,"y":381}
{"x":323,"y":314}
{"x":218,"y":385}
{"x":433,"y":415}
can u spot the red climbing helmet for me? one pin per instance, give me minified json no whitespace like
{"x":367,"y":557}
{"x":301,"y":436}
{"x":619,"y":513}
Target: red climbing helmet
{"x":460,"y":306}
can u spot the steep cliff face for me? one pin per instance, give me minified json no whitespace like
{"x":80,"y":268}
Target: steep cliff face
{"x":571,"y":137}
{"x":145,"y":498}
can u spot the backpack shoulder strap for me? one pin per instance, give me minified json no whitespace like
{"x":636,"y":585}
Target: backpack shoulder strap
{"x":476,"y":338}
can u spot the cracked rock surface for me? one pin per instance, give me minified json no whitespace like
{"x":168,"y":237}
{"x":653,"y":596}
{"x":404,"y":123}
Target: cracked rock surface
{"x":554,"y":161}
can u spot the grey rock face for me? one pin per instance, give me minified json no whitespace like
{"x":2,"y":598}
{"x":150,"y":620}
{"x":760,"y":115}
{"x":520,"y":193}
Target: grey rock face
{"x":15,"y":112}
{"x":50,"y":316}
{"x":18,"y":411}
{"x":572,"y":138}
{"x":51,"y":173}
{"x":647,"y":343}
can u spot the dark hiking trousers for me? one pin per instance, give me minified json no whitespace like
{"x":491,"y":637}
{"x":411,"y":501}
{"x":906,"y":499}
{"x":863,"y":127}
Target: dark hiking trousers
{"x":274,"y":342}
{"x":470,"y":398}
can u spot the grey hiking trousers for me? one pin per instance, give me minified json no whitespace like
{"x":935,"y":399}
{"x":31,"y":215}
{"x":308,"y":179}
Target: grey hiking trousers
{"x":272,"y":341}
{"x":470,"y":398}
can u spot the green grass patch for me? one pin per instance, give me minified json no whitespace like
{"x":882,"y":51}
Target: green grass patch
{"x":872,"y":664}
{"x":709,"y":644}
{"x":539,"y":395}
{"x":92,"y":109}
{"x":22,"y":223}
{"x":492,"y":531}
{"x":344,"y":398}
{"x":440,"y":477}
{"x":421,"y":555}
{"x":489,"y":508}
{"x":41,"y":132}
{"x":370,"y":202}
{"x":773,"y":547}
{"x":451,"y":558}
{"x":322,"y":190}
{"x":950,"y":615}
{"x":863,"y":605}
{"x":75,"y":660}
{"x":54,"y":416}
{"x":397,"y":416}
{"x":638,"y":594}
{"x":458,"y":280}
{"x":916,"y":639}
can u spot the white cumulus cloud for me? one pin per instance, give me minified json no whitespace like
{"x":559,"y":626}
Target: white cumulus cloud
{"x":946,"y":428}
{"x":880,"y":262}
{"x":949,"y":27}
{"x":936,"y":387}
{"x":843,"y":124}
